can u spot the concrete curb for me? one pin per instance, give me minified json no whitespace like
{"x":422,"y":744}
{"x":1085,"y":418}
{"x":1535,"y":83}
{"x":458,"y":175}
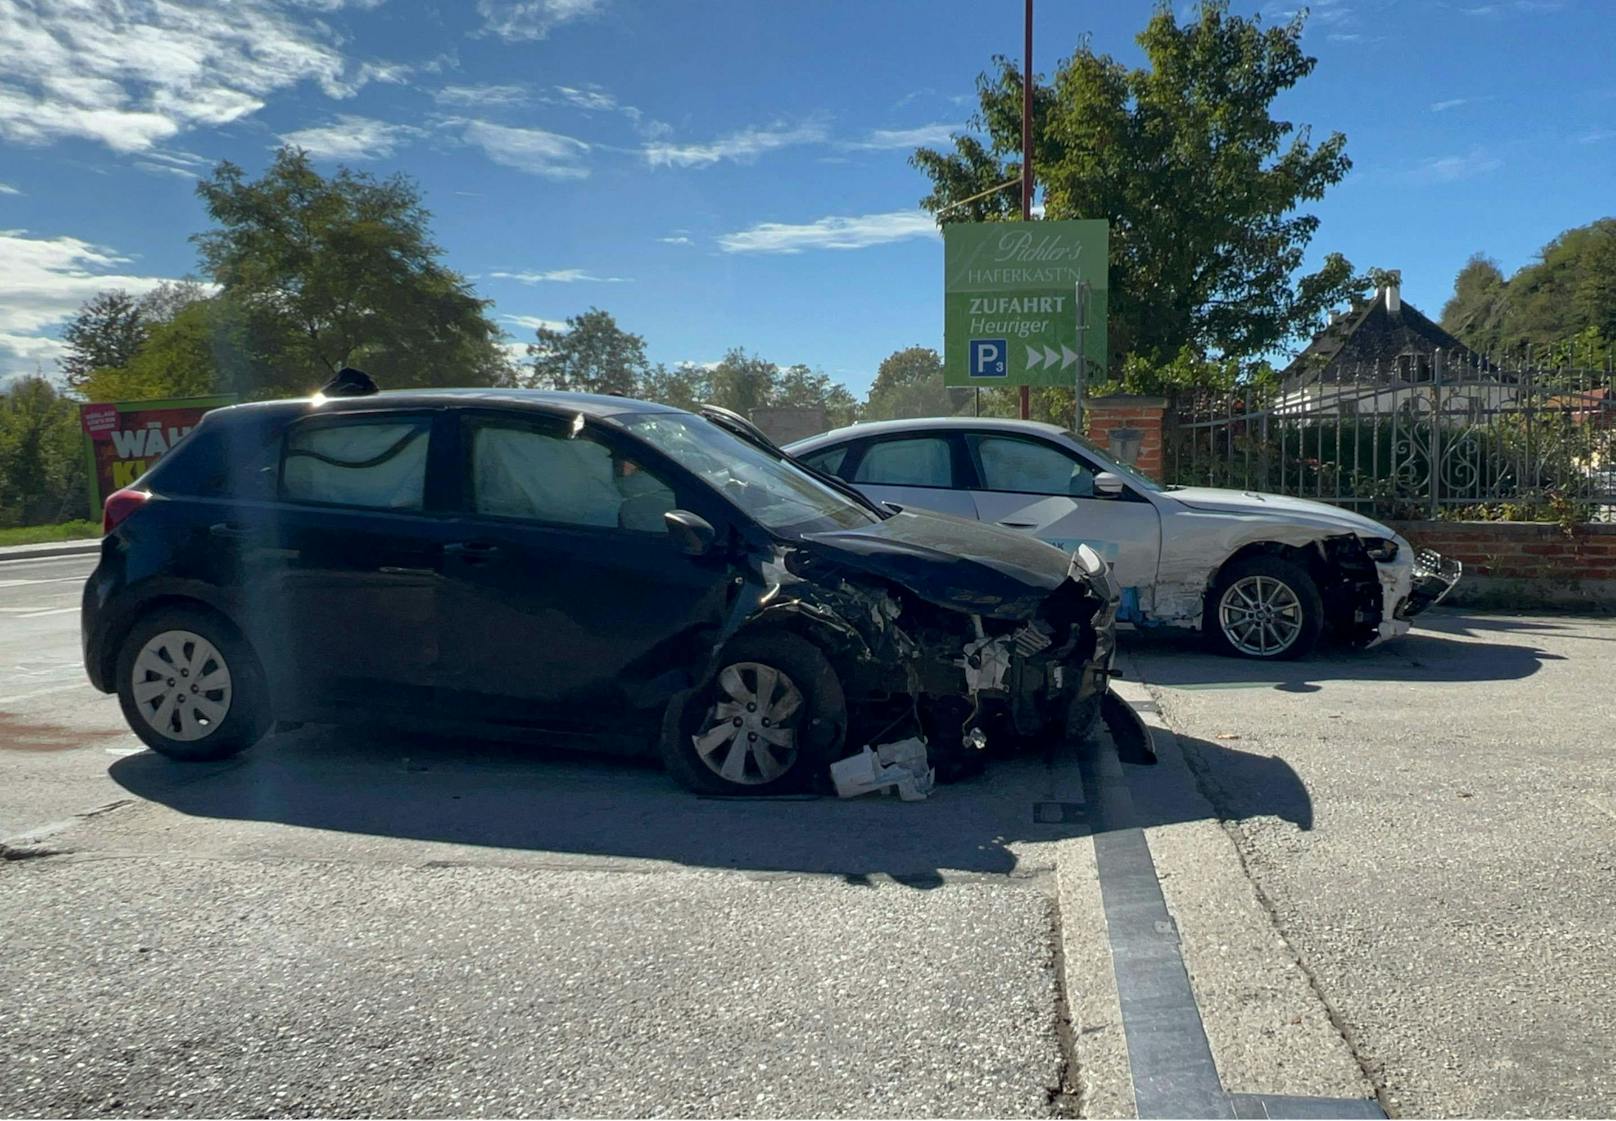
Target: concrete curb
{"x":45,"y":549}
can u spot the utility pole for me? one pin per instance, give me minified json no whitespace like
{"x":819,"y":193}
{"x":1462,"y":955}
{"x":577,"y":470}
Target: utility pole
{"x":1026,"y":158}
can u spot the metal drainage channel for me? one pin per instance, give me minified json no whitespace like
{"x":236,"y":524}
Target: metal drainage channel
{"x":1173,"y":1071}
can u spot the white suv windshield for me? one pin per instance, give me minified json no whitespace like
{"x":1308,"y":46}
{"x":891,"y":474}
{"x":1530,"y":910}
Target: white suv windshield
{"x":777,"y":495}
{"x":1116,"y":467}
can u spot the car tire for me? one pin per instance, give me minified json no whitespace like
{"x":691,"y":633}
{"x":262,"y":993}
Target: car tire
{"x":190,"y":686}
{"x":702,"y":745}
{"x":1263,"y":607}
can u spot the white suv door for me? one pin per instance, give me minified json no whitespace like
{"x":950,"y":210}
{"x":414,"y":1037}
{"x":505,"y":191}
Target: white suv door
{"x":1044,"y":489}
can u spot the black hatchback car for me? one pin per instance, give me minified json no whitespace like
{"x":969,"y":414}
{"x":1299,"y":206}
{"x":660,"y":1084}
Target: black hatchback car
{"x":619,"y":573}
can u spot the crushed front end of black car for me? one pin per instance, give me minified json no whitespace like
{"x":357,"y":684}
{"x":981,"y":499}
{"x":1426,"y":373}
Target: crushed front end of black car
{"x":943,"y":629}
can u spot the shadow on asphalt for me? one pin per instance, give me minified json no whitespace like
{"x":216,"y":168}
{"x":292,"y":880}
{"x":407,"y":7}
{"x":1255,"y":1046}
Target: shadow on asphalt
{"x":1435,"y":651}
{"x":540,"y":799}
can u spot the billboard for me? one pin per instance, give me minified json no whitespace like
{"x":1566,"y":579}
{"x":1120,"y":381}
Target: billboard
{"x":1011,"y":301}
{"x":124,"y":438}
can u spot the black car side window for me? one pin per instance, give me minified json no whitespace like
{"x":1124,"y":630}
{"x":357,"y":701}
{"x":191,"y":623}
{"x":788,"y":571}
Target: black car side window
{"x":378,"y":465}
{"x":563,"y":477}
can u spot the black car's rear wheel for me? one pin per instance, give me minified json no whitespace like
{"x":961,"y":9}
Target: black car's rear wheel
{"x":769,"y":720}
{"x":190,"y":687}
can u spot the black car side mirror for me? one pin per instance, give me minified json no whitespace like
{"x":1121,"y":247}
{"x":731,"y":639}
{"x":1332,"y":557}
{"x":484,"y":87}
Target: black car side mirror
{"x":693,"y":533}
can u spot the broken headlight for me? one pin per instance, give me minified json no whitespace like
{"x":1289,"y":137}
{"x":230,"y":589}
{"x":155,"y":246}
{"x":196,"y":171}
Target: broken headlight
{"x":1379,"y":549}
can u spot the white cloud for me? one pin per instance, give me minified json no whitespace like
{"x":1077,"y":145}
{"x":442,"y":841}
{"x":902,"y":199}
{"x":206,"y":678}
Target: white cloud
{"x":1515,"y":7}
{"x":173,"y":161}
{"x":487,"y":96}
{"x":42,"y":282}
{"x":907,"y":137}
{"x":676,"y":239}
{"x":350,"y":137}
{"x":560,"y":276}
{"x":130,"y":75}
{"x":1596,"y":135}
{"x":1450,"y":103}
{"x":8,"y":189}
{"x":533,"y":323}
{"x":594,"y":98}
{"x":523,"y":20}
{"x":1451,"y":169}
{"x":831,"y":233}
{"x":740,"y":146}
{"x":529,"y":149}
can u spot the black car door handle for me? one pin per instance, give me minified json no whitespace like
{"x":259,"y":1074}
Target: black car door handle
{"x":472,"y":552}
{"x":1019,"y":525}
{"x":227,"y":532}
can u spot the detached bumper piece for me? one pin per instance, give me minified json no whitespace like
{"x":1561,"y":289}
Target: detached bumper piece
{"x":1434,"y":577}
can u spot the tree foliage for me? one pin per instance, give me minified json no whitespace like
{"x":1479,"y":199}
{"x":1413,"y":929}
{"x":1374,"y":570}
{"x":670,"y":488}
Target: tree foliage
{"x":1562,"y":306}
{"x":1200,"y":182}
{"x":107,"y":330}
{"x":909,"y":383}
{"x":331,"y":272}
{"x":42,"y":470}
{"x":591,"y":354}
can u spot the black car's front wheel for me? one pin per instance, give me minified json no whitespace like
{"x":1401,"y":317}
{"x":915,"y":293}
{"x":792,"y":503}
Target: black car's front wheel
{"x":770,"y":719}
{"x":190,"y":687}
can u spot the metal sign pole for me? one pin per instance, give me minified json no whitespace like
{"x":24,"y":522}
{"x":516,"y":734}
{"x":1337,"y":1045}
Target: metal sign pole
{"x":1079,"y":379}
{"x":1026,"y":161}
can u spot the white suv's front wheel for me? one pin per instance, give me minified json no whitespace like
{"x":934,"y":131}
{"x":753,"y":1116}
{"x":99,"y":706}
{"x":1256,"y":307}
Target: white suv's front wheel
{"x":1264,"y":607}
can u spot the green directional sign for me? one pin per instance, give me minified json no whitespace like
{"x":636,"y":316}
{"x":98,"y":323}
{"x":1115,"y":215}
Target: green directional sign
{"x":1011,"y":301}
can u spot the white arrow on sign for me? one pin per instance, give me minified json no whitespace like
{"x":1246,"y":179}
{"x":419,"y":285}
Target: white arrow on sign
{"x":1068,"y":356}
{"x":1051,"y":356}
{"x":1034,"y":359}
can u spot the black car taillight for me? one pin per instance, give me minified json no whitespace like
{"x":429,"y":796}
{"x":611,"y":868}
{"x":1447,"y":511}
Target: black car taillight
{"x":119,"y":505}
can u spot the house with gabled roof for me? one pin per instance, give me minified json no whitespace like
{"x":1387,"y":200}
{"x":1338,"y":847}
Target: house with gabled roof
{"x":1382,"y":355}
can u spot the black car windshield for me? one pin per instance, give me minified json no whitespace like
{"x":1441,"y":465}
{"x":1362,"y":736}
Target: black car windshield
{"x":777,"y":495}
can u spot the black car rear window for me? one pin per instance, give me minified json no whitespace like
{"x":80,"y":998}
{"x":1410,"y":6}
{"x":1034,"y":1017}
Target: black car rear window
{"x":218,"y":459}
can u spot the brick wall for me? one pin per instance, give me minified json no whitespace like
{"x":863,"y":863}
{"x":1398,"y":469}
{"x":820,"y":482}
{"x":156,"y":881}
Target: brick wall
{"x":1524,"y":563}
{"x":1122,"y":413}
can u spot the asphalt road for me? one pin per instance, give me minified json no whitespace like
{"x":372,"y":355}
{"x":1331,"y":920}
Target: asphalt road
{"x":1385,"y":873}
{"x":1439,"y":852}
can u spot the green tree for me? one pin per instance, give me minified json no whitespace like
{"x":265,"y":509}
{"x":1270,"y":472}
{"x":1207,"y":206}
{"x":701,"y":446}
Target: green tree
{"x":684,"y":386}
{"x":743,"y":381}
{"x":1561,"y":307}
{"x":42,"y":472}
{"x":107,"y":330}
{"x":1477,"y":311}
{"x":329,"y":272}
{"x":204,"y":349}
{"x":801,"y":386}
{"x":1200,"y":182}
{"x":909,"y":383}
{"x":591,"y":354}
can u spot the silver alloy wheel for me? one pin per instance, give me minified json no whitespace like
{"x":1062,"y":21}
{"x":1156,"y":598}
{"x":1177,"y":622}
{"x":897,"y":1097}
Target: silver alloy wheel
{"x":749,"y":735}
{"x":1260,"y":616}
{"x":181,"y":685}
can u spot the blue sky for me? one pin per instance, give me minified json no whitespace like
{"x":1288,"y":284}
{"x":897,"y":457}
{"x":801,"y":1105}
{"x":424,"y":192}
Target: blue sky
{"x":728,"y":172}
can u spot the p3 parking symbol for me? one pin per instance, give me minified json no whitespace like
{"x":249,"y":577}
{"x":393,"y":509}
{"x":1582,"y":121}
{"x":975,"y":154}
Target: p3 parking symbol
{"x":988,"y":358}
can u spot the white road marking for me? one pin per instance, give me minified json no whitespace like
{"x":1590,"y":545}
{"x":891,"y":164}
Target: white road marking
{"x":51,"y":611}
{"x":50,"y":580}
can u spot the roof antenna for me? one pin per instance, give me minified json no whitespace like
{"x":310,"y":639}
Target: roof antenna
{"x":349,"y":382}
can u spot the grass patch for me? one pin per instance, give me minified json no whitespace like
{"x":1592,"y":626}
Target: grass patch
{"x":39,"y":534}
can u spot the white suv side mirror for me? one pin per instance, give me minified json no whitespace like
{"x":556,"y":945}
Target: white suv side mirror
{"x":1108,"y":484}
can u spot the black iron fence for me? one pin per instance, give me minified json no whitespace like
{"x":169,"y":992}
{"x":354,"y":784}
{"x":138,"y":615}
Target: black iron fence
{"x":1413,"y":438}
